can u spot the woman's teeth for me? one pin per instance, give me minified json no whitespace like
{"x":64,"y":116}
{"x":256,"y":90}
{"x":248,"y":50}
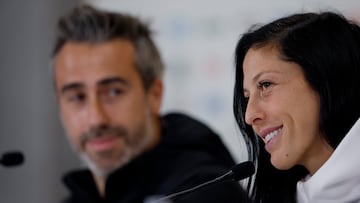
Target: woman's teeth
{"x":269,"y":136}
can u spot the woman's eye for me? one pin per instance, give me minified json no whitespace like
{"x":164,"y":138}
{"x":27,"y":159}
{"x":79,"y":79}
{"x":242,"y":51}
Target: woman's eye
{"x":264,"y":85}
{"x":246,"y":100}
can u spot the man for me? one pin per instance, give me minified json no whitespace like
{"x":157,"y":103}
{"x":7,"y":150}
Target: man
{"x":107,"y":74}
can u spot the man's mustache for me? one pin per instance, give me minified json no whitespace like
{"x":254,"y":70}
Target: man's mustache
{"x":103,"y":131}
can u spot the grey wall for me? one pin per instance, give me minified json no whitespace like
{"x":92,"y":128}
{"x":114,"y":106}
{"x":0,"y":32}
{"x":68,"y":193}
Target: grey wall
{"x":28,"y":114}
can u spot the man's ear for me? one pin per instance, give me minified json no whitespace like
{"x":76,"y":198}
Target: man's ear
{"x":155,"y":94}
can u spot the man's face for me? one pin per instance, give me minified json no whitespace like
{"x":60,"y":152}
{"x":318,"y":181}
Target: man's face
{"x":108,"y":116}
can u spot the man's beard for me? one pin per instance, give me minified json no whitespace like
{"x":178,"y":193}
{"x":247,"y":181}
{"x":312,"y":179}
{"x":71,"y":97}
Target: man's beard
{"x":134,"y":145}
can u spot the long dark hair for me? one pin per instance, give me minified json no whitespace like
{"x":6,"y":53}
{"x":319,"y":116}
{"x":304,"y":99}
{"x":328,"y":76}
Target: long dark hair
{"x":327,"y":47}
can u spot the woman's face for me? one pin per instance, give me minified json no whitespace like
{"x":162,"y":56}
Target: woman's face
{"x":283,"y":110}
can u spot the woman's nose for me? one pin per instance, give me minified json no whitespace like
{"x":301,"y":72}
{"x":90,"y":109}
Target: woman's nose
{"x":254,"y":111}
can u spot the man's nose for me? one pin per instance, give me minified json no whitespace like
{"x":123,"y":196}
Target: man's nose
{"x":97,"y":114}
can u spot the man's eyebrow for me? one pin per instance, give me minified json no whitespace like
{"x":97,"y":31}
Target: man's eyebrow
{"x":111,"y":80}
{"x":103,"y":82}
{"x":70,"y":86}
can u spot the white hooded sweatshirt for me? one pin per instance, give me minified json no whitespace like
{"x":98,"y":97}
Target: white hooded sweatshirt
{"x":338,"y":180}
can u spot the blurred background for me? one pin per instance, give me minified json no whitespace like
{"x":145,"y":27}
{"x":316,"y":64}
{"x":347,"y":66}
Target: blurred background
{"x":197,"y":39}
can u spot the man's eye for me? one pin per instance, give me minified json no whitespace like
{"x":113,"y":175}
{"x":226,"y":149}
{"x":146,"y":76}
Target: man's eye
{"x":76,"y":98}
{"x":114,"y":92}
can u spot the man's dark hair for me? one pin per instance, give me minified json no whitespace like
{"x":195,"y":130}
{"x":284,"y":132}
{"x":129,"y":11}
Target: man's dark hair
{"x":86,"y":24}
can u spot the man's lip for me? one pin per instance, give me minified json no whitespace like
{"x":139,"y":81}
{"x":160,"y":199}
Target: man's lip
{"x":102,"y":143}
{"x":102,"y":138}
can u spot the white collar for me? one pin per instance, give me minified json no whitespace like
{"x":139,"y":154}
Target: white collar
{"x":338,"y":179}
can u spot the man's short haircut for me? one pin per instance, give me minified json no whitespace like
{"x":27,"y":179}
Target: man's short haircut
{"x":86,"y":24}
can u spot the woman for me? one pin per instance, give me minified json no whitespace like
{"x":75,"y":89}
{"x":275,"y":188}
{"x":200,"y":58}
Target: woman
{"x":297,"y":104}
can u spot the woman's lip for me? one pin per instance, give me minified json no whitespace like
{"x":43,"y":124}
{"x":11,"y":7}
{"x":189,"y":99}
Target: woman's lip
{"x":270,"y":145}
{"x":272,"y":134}
{"x":265,"y":131}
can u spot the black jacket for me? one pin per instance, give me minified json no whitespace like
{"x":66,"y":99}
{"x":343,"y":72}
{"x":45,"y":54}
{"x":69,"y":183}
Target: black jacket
{"x":188,"y":154}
